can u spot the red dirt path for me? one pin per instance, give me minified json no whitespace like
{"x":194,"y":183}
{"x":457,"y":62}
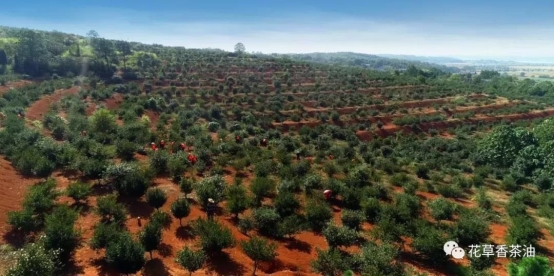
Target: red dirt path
{"x":13,"y":187}
{"x":15,"y":84}
{"x":39,"y":108}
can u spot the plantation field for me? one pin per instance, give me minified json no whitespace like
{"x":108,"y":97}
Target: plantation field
{"x":413,"y":158}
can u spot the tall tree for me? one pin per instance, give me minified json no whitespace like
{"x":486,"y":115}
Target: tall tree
{"x":259,"y":250}
{"x":124,"y":49}
{"x":31,"y":52}
{"x":239,"y":48}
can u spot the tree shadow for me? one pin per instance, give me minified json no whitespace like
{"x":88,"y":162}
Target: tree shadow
{"x":275,"y":266}
{"x":155,"y":267}
{"x":302,"y":246}
{"x":103,"y":268}
{"x":222,"y":264}
{"x":137,"y":208}
{"x":15,"y":238}
{"x":447,"y":268}
{"x":72,"y":268}
{"x":100,"y":189}
{"x":165,"y":250}
{"x":184,"y":232}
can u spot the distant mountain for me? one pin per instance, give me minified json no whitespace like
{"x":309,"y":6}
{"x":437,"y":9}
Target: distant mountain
{"x":438,"y":60}
{"x":367,"y":61}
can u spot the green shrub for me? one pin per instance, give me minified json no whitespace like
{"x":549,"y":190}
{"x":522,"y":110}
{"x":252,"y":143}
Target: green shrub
{"x":158,"y":161}
{"x":34,"y":259}
{"x":177,"y":164}
{"x":262,"y":187}
{"x":286,"y":204}
{"x":477,"y":181}
{"x":109,"y":210}
{"x":330,"y":262}
{"x":180,"y":208}
{"x":214,"y":237}
{"x":352,"y":218}
{"x":23,"y":220}
{"x":125,"y":254}
{"x":380,"y":259}
{"x":156,"y":197}
{"x":441,"y":209}
{"x":60,"y":231}
{"x":429,"y":243}
{"x":372,"y":209}
{"x":339,"y":235}
{"x":78,"y":191}
{"x":422,"y":171}
{"x":312,"y":182}
{"x":150,"y":237}
{"x":449,"y":191}
{"x":523,"y":230}
{"x":482,"y":262}
{"x":509,"y":183}
{"x":125,"y":149}
{"x":543,"y":183}
{"x":191,"y":260}
{"x":259,"y":250}
{"x":41,"y":197}
{"x":210,"y":187}
{"x":237,"y":199}
{"x":266,"y":220}
{"x":318,"y":214}
{"x":470,"y":229}
{"x":186,"y":186}
{"x":161,"y":218}
{"x":104,"y":234}
{"x":128,"y":178}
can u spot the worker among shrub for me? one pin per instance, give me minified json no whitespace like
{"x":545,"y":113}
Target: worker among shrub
{"x":162,"y":144}
{"x":264,"y":142}
{"x":328,"y":194}
{"x":183,"y":146}
{"x":153,"y":145}
{"x":210,"y":209}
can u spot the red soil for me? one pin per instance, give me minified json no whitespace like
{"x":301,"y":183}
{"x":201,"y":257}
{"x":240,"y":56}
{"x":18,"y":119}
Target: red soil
{"x":39,"y":108}
{"x":114,"y":101}
{"x":15,"y":84}
{"x":13,"y":187}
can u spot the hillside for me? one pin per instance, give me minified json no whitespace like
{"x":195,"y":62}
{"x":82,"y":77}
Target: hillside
{"x":367,"y":61}
{"x":414,"y":158}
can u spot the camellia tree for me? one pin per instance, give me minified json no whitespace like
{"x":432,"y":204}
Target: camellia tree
{"x":535,"y":266}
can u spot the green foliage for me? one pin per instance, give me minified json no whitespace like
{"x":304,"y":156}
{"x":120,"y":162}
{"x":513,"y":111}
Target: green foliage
{"x":41,"y":197}
{"x":500,"y":148}
{"x":470,"y":229}
{"x":339,"y":235}
{"x":266,"y":220}
{"x":210,"y":187}
{"x":543,"y":131}
{"x":371,"y":208}
{"x":79,"y":191}
{"x":34,"y":259}
{"x":535,"y":266}
{"x":125,"y":254}
{"x":441,"y":209}
{"x":161,"y":218}
{"x":125,"y":149}
{"x":259,"y":250}
{"x":237,"y":199}
{"x":543,"y":183}
{"x":482,"y":262}
{"x":186,"y":186}
{"x":380,"y":259}
{"x":150,"y":237}
{"x":60,"y":231}
{"x":318,"y":213}
{"x":312,"y":182}
{"x":128,"y":178}
{"x":103,"y":123}
{"x":104,"y":233}
{"x":191,"y":260}
{"x":177,"y":164}
{"x":522,"y":230}
{"x":180,"y":208}
{"x":159,"y":161}
{"x":509,"y":183}
{"x":329,"y":262}
{"x":286,"y":204}
{"x":22,"y":220}
{"x":110,"y":210}
{"x":352,"y":218}
{"x":214,"y":237}
{"x":262,"y":187}
{"x":156,"y":197}
{"x":429,"y":242}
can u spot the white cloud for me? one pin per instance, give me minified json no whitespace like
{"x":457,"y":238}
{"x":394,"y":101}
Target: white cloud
{"x":316,"y":33}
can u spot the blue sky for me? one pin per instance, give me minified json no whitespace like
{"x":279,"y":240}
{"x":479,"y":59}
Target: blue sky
{"x":468,"y":28}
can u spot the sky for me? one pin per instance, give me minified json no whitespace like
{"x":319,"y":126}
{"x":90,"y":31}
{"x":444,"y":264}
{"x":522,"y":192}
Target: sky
{"x":469,"y":29}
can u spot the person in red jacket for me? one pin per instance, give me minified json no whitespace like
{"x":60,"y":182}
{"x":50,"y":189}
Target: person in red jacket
{"x":327,"y":194}
{"x":183,"y":146}
{"x":237,"y":138}
{"x":162,"y":144}
{"x":331,"y":157}
{"x":264,"y":142}
{"x":192,"y":158}
{"x":153,"y":145}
